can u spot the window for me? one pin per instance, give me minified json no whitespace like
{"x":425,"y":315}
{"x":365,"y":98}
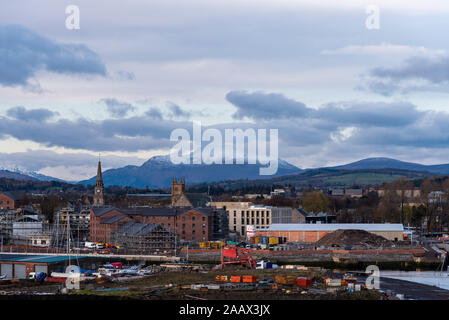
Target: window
{"x":257,"y":214}
{"x":252,"y":214}
{"x":204,"y":219}
{"x":235,"y":213}
{"x":193,"y":218}
{"x":193,"y":225}
{"x":257,"y":221}
{"x":268,"y":221}
{"x":243,"y":221}
{"x":235,"y":221}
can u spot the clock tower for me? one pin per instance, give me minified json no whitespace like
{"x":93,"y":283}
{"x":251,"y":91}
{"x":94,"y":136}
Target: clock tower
{"x":99,"y":188}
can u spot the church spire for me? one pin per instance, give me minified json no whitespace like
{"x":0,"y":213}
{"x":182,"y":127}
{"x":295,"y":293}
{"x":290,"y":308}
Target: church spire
{"x":99,"y":182}
{"x":99,"y":187}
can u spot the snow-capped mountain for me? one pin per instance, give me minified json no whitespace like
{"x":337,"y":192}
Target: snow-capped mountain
{"x":23,"y":174}
{"x":158,"y":171}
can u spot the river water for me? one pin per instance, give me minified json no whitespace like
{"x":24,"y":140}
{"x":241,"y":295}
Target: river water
{"x":432,"y":278}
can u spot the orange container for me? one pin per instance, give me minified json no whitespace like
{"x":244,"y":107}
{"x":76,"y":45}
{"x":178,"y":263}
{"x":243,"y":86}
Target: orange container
{"x":219,"y":278}
{"x":250,"y":279}
{"x":236,"y":279}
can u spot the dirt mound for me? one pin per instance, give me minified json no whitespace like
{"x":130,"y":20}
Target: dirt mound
{"x":355,"y":239}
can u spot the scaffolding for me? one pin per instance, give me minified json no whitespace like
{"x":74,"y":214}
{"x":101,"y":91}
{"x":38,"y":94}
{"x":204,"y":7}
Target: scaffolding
{"x":140,"y":238}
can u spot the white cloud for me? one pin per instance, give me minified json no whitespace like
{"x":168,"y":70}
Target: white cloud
{"x":382,"y":49}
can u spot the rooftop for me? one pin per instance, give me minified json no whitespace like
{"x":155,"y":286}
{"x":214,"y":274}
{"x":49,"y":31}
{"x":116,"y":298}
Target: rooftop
{"x":37,"y":258}
{"x":336,"y":226}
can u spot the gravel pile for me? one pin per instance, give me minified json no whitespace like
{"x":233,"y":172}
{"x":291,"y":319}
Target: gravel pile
{"x":355,"y":239}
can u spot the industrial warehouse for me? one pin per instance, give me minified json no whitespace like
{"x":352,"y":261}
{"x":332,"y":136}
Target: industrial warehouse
{"x":20,"y":266}
{"x":306,"y":232}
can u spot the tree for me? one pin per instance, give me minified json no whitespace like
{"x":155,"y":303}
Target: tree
{"x":389,"y":209}
{"x":316,"y":202}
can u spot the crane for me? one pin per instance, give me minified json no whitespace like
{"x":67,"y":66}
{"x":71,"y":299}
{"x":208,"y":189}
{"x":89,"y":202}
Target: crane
{"x":236,"y":255}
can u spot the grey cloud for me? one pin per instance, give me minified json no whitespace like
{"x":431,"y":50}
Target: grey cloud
{"x":259,"y":105}
{"x":23,"y":53}
{"x":127,"y":134}
{"x":154,"y":113}
{"x":372,"y":125}
{"x":20,"y":113}
{"x":379,"y":114}
{"x":177,"y":112}
{"x":117,"y":108}
{"x":417,"y":73}
{"x":433,"y":69}
{"x":270,"y":106}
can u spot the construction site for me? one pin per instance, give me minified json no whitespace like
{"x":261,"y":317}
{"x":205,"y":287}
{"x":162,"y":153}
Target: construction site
{"x":147,"y":261}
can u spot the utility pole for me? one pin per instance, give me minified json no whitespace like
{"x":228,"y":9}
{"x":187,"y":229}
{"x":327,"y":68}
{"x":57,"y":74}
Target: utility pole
{"x":68,"y":237}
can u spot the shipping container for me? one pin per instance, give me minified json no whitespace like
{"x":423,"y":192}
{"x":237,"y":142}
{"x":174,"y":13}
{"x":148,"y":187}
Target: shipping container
{"x":274,"y":240}
{"x":236,"y":279}
{"x":249,"y":279}
{"x":285,"y":279}
{"x":304,"y":282}
{"x":334,"y":282}
{"x":219,"y":278}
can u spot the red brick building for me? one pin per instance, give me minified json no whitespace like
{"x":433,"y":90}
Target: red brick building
{"x":11,"y":199}
{"x":190,"y":224}
{"x":103,"y":221}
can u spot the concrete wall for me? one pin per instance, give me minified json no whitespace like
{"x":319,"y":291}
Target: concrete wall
{"x":313,"y":236}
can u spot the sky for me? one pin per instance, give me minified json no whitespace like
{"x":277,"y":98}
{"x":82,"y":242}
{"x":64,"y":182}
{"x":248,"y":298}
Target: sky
{"x":336,"y":90}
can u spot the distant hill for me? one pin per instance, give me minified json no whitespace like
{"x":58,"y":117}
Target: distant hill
{"x":388,"y":163}
{"x":16,"y":176}
{"x":326,"y":177}
{"x":158,"y":171}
